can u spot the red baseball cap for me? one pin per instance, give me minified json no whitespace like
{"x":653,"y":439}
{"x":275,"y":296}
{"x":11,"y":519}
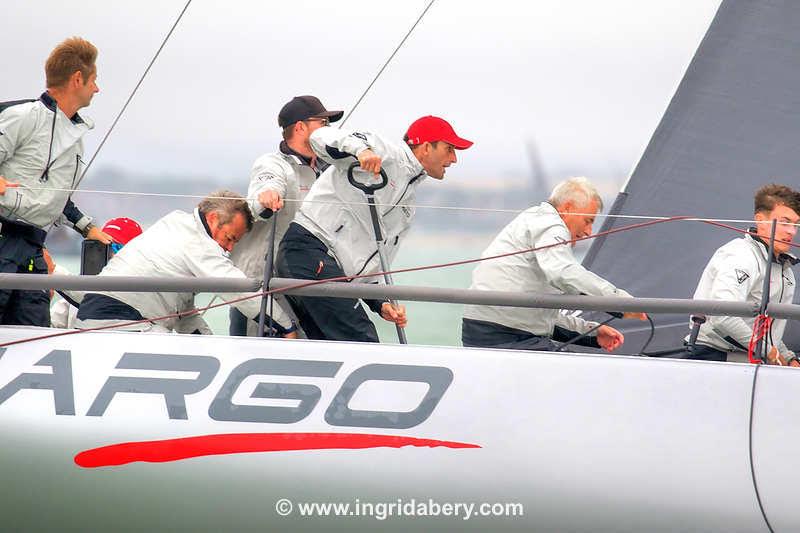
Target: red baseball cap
{"x":432,"y":129}
{"x":122,"y":229}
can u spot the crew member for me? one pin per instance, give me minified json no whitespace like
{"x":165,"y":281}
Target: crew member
{"x":332,"y":234}
{"x":41,"y":145}
{"x":567,"y":215}
{"x":736,"y":272}
{"x":194,"y":244}
{"x":278,"y":182}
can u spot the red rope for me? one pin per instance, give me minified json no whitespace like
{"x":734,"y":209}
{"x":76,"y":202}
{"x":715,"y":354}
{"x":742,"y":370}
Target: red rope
{"x":350,"y":278}
{"x":761,"y":327}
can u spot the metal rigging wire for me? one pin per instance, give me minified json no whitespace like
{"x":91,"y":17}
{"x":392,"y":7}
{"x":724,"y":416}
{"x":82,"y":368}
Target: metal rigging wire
{"x":136,"y":88}
{"x":402,"y":42}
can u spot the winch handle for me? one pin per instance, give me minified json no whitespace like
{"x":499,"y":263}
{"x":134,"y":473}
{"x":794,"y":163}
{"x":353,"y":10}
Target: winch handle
{"x":367,"y":188}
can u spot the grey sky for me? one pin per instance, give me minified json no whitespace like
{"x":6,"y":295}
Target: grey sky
{"x":587,"y":80}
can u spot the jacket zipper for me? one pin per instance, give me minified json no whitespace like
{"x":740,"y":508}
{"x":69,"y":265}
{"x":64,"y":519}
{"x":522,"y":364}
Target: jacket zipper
{"x":77,"y":166}
{"x":412,"y":180}
{"x":367,"y":262}
{"x":46,"y":172}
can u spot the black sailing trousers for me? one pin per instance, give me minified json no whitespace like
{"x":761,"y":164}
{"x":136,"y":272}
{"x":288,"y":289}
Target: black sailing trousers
{"x":22,"y":307}
{"x":303,"y":256}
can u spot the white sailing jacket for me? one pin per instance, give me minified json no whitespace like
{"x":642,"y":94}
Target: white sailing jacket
{"x":34,"y":137}
{"x":551,"y":271}
{"x":336,"y":212}
{"x":290,"y":176}
{"x":176,"y":245}
{"x":63,"y":314}
{"x":736,"y":272}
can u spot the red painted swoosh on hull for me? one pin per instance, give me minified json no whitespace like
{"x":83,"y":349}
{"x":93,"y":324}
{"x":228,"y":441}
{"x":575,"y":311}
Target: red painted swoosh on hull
{"x":163,"y":451}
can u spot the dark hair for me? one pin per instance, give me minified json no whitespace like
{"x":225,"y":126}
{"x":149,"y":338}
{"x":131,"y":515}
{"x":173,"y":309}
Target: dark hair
{"x":226,"y":204}
{"x":72,"y":55}
{"x":412,"y":146}
{"x":772,"y":195}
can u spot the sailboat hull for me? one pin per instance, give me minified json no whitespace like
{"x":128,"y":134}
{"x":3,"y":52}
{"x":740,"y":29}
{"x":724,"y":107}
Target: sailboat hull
{"x":160,"y":432}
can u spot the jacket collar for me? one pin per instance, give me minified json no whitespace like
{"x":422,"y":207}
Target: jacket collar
{"x":416,"y":166}
{"x":764,"y":246}
{"x":50,"y":103}
{"x":286,"y":149}
{"x":203,"y":221}
{"x":316,"y":164}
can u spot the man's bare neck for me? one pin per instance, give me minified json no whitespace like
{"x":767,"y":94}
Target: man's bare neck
{"x":65,"y":103}
{"x":301,"y":148}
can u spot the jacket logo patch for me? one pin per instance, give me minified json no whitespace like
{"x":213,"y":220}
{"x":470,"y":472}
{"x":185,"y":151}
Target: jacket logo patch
{"x":359,"y":136}
{"x":789,"y":282}
{"x":741,"y":276}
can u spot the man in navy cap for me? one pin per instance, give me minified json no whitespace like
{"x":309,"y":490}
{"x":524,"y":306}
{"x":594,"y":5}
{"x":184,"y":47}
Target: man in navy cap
{"x":332,"y":234}
{"x":278,"y":182}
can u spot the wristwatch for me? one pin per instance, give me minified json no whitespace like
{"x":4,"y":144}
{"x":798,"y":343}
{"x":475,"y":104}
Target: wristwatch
{"x":86,"y":229}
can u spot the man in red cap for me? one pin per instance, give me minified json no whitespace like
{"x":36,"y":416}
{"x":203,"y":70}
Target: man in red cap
{"x":64,"y":310}
{"x":278,"y":182}
{"x":122,"y":230}
{"x":332,"y":234}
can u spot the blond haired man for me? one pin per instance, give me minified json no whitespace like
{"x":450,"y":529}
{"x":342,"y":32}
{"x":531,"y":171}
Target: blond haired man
{"x":40,"y":160}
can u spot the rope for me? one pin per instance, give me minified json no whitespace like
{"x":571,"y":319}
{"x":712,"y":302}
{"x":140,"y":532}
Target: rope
{"x":402,"y":42}
{"x":761,"y":328}
{"x":264,"y":293}
{"x":128,"y":101}
{"x":750,"y":451}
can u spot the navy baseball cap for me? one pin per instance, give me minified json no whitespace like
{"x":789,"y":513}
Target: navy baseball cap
{"x":303,"y":108}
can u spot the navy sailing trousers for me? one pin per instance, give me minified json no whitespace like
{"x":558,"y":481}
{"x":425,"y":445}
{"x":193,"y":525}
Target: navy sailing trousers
{"x":23,"y":307}
{"x":303,"y":256}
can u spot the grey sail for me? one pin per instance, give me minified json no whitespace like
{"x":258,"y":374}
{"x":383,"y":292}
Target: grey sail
{"x":732,"y":126}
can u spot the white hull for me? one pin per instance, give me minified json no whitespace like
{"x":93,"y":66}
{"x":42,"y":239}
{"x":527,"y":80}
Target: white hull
{"x":583,"y":442}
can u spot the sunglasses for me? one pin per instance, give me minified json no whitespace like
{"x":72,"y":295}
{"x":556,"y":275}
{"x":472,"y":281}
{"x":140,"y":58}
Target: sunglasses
{"x":323,"y":120}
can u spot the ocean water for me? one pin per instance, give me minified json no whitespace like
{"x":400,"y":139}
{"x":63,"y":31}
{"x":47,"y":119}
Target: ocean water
{"x":429,"y":323}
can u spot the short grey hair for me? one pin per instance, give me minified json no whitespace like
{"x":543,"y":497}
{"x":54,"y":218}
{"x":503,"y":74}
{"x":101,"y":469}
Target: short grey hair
{"x":578,"y":190}
{"x":226,"y":204}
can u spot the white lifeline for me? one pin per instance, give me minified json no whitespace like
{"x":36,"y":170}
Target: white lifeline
{"x":551,"y":271}
{"x":736,"y":273}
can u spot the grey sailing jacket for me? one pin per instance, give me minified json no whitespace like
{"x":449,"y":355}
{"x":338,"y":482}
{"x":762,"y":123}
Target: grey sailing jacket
{"x":41,"y":149}
{"x":336,"y":212}
{"x":291,"y":177}
{"x":736,"y":272}
{"x":551,"y":271}
{"x":176,"y":245}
